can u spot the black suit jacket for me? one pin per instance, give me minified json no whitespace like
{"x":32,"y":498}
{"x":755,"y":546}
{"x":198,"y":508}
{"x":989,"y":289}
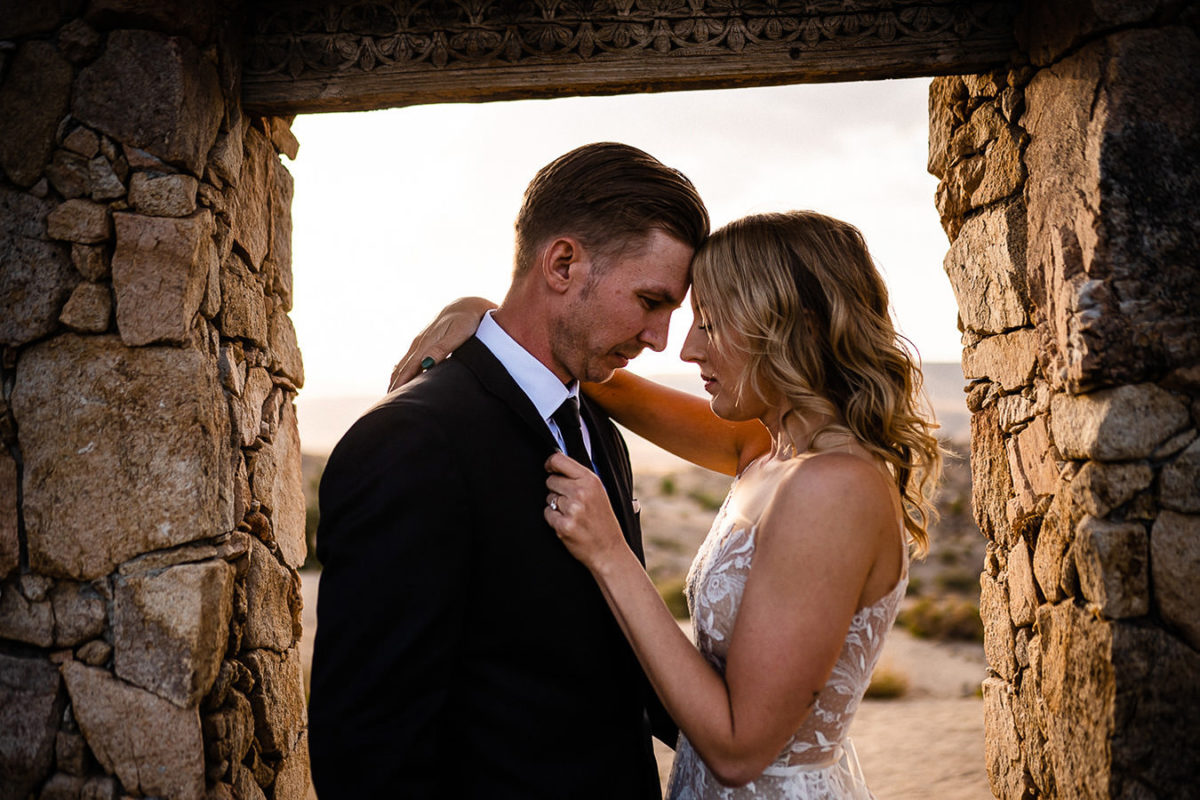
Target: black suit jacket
{"x":461,"y":651}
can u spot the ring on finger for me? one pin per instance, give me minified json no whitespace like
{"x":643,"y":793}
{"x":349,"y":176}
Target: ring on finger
{"x":554,"y":503}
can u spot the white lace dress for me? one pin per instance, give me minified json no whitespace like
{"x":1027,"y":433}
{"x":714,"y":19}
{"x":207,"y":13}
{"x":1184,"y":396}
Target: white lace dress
{"x":818,"y":762}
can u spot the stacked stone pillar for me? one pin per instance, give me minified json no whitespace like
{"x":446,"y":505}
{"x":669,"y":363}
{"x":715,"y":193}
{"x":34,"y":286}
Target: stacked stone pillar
{"x":151,"y":520}
{"x":1069,"y":188}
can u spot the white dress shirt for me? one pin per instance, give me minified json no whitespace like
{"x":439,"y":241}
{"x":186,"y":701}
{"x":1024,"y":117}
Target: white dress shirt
{"x":536,"y":380}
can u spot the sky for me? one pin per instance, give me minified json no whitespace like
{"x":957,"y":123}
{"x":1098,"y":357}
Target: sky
{"x":398,"y":212}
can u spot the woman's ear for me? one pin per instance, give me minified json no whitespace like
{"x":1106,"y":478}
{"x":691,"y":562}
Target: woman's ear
{"x":560,"y":263}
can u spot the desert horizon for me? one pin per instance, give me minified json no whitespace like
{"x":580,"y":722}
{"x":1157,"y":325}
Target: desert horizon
{"x":324,"y":418}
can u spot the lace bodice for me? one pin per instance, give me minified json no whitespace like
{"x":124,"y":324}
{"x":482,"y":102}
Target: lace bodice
{"x":806,"y":767}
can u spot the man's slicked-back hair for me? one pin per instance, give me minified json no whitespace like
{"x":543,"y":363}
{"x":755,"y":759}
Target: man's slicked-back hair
{"x":607,"y":195}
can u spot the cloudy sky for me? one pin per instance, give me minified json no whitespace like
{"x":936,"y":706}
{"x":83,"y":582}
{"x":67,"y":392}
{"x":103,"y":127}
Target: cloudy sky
{"x":397,"y":212}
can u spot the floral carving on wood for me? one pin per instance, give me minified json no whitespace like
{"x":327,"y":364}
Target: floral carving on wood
{"x":290,"y":40}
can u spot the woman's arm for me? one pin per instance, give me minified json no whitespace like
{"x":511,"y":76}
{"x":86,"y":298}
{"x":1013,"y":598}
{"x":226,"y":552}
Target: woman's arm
{"x":453,"y":325}
{"x":679,"y":422}
{"x":817,"y":542}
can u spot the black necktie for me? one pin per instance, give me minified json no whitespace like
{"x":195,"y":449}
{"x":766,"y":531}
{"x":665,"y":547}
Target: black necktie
{"x":567,"y":419}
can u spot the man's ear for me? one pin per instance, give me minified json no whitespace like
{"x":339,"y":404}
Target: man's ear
{"x":561,"y":262}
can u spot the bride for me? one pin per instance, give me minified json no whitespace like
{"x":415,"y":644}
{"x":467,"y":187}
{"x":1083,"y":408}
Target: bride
{"x":801,"y":576}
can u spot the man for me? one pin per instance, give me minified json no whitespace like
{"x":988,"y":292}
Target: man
{"x":461,"y":651}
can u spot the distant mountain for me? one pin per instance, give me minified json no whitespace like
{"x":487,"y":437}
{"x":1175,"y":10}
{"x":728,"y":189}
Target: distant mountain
{"x":323,"y":420}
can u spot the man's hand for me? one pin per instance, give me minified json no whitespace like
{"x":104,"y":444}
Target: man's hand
{"x":453,"y":325}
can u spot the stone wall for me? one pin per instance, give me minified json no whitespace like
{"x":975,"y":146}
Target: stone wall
{"x":151,"y":521}
{"x":1068,"y":190}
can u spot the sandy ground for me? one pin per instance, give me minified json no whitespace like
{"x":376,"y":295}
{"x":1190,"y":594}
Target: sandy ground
{"x":927,"y":744}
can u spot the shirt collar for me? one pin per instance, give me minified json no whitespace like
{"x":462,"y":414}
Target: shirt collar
{"x":536,"y":380}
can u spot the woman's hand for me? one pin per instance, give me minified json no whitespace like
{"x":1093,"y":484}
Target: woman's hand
{"x":453,"y":325}
{"x":577,"y":508}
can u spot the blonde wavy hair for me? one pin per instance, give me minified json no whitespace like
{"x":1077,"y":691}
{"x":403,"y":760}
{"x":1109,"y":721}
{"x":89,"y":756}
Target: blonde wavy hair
{"x":803,"y":300}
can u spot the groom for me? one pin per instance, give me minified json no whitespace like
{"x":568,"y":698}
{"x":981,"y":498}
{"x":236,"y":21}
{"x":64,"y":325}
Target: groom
{"x":461,"y":651}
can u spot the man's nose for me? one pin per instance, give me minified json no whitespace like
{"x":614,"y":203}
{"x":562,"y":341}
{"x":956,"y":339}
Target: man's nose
{"x":654,"y":335}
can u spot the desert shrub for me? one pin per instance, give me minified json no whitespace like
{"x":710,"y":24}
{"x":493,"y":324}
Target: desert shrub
{"x":915,"y":586}
{"x":706,"y":500}
{"x":943,"y":618}
{"x":961,"y":581}
{"x":671,"y":590}
{"x":887,"y":683}
{"x":667,"y":485}
{"x":947,"y":556}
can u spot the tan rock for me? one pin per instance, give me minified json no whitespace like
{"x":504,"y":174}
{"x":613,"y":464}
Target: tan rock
{"x":70,"y":174}
{"x":155,"y":92}
{"x":170,"y":629}
{"x":1098,"y":488}
{"x":1175,"y":568}
{"x":30,"y":708}
{"x":1050,"y":561}
{"x":985,"y":164}
{"x":1002,"y":745}
{"x":243,"y":303}
{"x":1031,"y":460}
{"x":229,"y":732}
{"x":1077,"y":682}
{"x":246,"y":411}
{"x":171,"y":195}
{"x":986,"y":267}
{"x":103,"y":181}
{"x":278,"y":484}
{"x":991,"y":486}
{"x":251,"y":206}
{"x":947,"y":103}
{"x":225,"y":158}
{"x":158,"y":276}
{"x":272,"y":592}
{"x":1008,"y":360}
{"x":33,"y":99}
{"x":280,"y":256}
{"x":37,"y":277}
{"x":1111,"y":319}
{"x":1113,"y":560}
{"x":1120,"y":424}
{"x":1179,"y":486}
{"x":152,"y":746}
{"x":141,"y":432}
{"x":24,"y":620}
{"x":71,"y":753}
{"x":99,"y":787}
{"x":10,"y":547}
{"x":1022,"y":592}
{"x":245,"y":787}
{"x":79,"y":221}
{"x":89,"y":309}
{"x":95,"y":653}
{"x":80,"y":612}
{"x":62,"y":787}
{"x":997,"y":626}
{"x":280,"y":714}
{"x":90,"y":261}
{"x":285,"y":351}
{"x":293,"y":780}
{"x":82,"y":141}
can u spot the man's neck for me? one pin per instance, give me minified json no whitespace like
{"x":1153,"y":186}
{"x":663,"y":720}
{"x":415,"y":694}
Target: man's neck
{"x":528,"y":328}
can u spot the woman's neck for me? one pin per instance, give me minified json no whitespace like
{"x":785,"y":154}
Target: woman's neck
{"x":792,"y":433}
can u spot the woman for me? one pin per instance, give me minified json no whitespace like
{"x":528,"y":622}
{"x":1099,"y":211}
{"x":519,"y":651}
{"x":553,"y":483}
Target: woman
{"x":802,"y":573}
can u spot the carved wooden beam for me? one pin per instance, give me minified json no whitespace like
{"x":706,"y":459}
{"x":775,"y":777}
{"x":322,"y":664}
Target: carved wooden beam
{"x":328,"y":56}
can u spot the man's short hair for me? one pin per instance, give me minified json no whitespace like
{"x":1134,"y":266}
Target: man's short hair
{"x":607,"y":195}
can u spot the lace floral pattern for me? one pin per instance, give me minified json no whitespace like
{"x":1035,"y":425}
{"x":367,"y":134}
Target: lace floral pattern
{"x":818,"y":762}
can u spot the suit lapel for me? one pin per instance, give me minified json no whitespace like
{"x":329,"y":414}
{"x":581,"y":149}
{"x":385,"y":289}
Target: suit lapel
{"x":613,"y":468}
{"x":608,"y":453}
{"x":495,"y":378}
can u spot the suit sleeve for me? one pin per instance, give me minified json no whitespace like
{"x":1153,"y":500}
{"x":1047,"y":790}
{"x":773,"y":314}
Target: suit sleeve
{"x":393,"y":543}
